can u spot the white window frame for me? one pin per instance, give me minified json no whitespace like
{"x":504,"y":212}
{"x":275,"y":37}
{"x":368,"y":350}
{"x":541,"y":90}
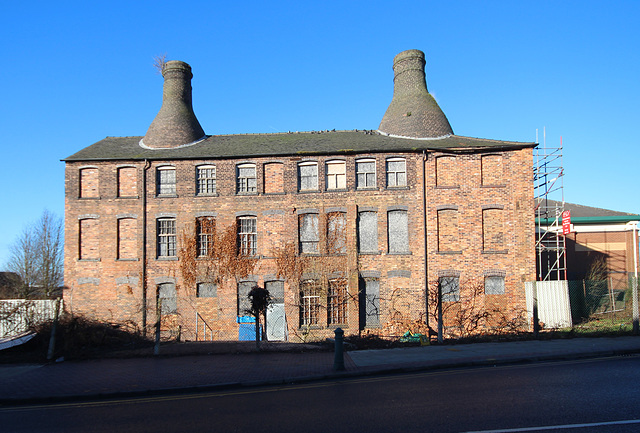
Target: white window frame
{"x":246,"y":184}
{"x":336,"y":179}
{"x":393,"y":176}
{"x":166,"y":238}
{"x":166,"y":183}
{"x":206,"y":180}
{"x":314,"y":184}
{"x":247,"y":235}
{"x":365,"y":179}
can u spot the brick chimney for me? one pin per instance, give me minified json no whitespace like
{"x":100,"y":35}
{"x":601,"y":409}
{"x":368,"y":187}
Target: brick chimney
{"x":413,"y":112}
{"x":176,"y":123}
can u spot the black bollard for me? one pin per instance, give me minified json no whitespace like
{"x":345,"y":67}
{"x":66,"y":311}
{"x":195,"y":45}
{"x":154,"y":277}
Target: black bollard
{"x":338,"y":360}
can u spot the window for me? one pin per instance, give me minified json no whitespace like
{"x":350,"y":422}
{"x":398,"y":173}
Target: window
{"x":336,"y":175}
{"x":398,"y":231}
{"x":365,"y":173}
{"x":127,"y":236}
{"x":448,"y":238}
{"x":89,"y":183}
{"x":368,"y":232}
{"x":127,"y":182}
{"x":247,"y":236}
{"x":371,"y":298}
{"x":206,"y":180}
{"x":494,"y":285}
{"x":396,"y":172}
{"x":337,"y":233}
{"x":449,"y":289}
{"x":492,"y":229}
{"x":308,"y":233}
{"x":166,"y":181}
{"x":89,"y":242}
{"x":308,"y":176}
{"x":337,"y":301}
{"x":273,"y":178}
{"x":166,"y":232}
{"x":206,"y":290}
{"x":244,"y":305}
{"x":205,"y":232}
{"x":246,"y":175}
{"x":167,"y":299}
{"x":309,"y":303}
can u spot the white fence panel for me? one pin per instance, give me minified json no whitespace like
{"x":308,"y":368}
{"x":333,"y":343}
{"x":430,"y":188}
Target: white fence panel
{"x":554,"y":309}
{"x":16,"y":315}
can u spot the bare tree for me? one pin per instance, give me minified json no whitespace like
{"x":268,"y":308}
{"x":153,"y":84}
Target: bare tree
{"x":37,"y":256}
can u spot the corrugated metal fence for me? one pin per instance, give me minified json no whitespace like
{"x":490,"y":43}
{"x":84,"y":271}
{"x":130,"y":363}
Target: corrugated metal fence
{"x":17,"y":315}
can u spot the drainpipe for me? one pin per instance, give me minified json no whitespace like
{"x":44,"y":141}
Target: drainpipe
{"x":634,"y":291}
{"x":147,"y":164}
{"x":424,"y":218}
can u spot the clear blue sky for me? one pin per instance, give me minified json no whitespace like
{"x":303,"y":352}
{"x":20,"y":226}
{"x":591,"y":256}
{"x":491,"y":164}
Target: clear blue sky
{"x":74,"y":72}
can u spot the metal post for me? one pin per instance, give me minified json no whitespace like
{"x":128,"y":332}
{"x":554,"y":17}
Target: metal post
{"x":536,"y":321}
{"x":634,"y":285}
{"x":205,"y":332}
{"x":156,"y":347}
{"x":338,"y":360}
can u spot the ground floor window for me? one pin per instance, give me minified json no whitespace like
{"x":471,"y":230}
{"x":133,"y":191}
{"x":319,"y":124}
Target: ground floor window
{"x":337,"y":301}
{"x":309,"y":303}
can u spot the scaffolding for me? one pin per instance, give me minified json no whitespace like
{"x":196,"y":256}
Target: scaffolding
{"x":548,"y":174}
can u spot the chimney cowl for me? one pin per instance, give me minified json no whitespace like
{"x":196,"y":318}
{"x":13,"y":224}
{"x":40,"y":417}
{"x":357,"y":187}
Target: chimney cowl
{"x":413,"y":112}
{"x":176,"y":124}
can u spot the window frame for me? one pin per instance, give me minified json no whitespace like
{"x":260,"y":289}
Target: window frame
{"x":205,"y":239}
{"x":310,"y":292}
{"x":337,"y":290}
{"x":336,"y":233}
{"x":366,"y":179}
{"x":247,"y":185}
{"x":394,"y":242}
{"x":206,"y":176}
{"x":247,"y":229}
{"x":362,"y":234}
{"x":301,"y":177}
{"x":303,"y":240}
{"x":396,"y":173}
{"x":166,"y":237}
{"x":165,"y":185}
{"x":501,"y":288}
{"x":332,"y":178}
{"x":452,"y":282}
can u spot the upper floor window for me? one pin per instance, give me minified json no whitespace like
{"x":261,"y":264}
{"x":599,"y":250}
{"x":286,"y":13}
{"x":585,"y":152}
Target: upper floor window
{"x":308,"y":176}
{"x":205,"y":231}
{"x":89,"y":183}
{"x":367,"y":232}
{"x":365,"y":173}
{"x":206,"y":180}
{"x":398,"y":229}
{"x":273,"y":178}
{"x":396,"y":172}
{"x":336,"y":175}
{"x":246,"y":178}
{"x":247,"y":236}
{"x":337,"y":233}
{"x":308,"y":233}
{"x":166,"y":181}
{"x":166,"y":237}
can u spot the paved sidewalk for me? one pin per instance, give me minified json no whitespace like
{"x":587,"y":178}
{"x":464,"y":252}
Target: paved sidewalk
{"x":20,"y":384}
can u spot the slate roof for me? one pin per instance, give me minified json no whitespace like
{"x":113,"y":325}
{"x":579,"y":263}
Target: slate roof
{"x":287,"y":144}
{"x":581,"y":211}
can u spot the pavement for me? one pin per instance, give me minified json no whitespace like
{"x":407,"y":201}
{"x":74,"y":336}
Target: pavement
{"x":143,"y":376}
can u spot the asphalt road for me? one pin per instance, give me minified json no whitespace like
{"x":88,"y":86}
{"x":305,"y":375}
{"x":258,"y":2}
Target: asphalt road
{"x":582,"y":396}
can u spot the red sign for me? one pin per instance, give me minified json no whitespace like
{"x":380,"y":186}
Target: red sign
{"x":566,"y":222}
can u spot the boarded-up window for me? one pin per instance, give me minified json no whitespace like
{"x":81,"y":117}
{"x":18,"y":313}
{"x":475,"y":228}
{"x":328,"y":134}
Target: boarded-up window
{"x":337,"y":301}
{"x":89,"y":239}
{"x":308,"y":176}
{"x":398,"y":227}
{"x":493,"y":229}
{"x":446,"y":171}
{"x":309,"y":303}
{"x":244,"y":305}
{"x":365,"y":173}
{"x":396,"y":172}
{"x":167,"y":298}
{"x":371,"y":299}
{"x":276,"y":291}
{"x":336,"y":175}
{"x":450,"y":289}
{"x":494,"y":285}
{"x":368,"y":232}
{"x":127,"y":239}
{"x":89,"y":183}
{"x":448,"y":234}
{"x":166,"y":181}
{"x":492,"y":173}
{"x":274,"y":178}
{"x":206,"y":182}
{"x":337,"y":233}
{"x":127,"y":182}
{"x":308,"y":233}
{"x":207,"y":290}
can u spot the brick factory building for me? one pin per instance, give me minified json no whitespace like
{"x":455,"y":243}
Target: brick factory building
{"x":352,"y":229}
